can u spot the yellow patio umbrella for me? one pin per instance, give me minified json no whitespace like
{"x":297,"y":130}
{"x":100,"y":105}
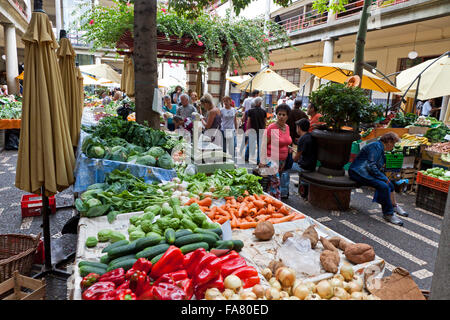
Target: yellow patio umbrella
{"x":340,"y":72}
{"x":46,"y":159}
{"x":268,"y":80}
{"x":239,"y":79}
{"x":66,"y":56}
{"x":20,"y":76}
{"x":434,"y":81}
{"x":127,"y":79}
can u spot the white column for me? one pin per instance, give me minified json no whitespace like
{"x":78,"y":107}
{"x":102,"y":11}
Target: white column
{"x":214,"y":80}
{"x":12,"y":68}
{"x":98,"y":59}
{"x":328,"y":52}
{"x":58,"y":16}
{"x":444,"y":106}
{"x":28,"y":9}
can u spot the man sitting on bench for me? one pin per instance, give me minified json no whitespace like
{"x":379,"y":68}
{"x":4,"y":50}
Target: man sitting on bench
{"x":306,"y":157}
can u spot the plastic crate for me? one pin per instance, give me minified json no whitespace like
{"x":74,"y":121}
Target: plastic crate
{"x":431,"y":182}
{"x":431,"y":199}
{"x":356,"y":147}
{"x":31,"y":205}
{"x":394,"y":160}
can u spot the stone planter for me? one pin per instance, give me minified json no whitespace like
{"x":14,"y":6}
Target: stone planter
{"x":333,"y":150}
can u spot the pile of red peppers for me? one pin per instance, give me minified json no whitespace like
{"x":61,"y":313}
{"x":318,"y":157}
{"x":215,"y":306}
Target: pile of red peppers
{"x":174,"y":277}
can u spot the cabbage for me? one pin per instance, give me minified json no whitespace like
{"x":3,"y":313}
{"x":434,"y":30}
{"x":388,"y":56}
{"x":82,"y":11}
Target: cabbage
{"x":146,"y":161}
{"x":156,"y":152}
{"x":95,"y":152}
{"x":94,"y":202}
{"x":165,"y":161}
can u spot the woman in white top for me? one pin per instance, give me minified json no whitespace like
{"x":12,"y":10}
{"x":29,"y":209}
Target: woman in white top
{"x":229,"y":125}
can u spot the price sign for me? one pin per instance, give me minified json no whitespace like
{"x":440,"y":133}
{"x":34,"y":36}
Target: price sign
{"x":447,"y":137}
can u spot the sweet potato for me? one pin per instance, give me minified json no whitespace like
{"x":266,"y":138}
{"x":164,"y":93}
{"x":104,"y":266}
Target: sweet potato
{"x":339,"y":243}
{"x":311,"y":234}
{"x":327,"y":245}
{"x":330,"y":260}
{"x":287,"y":235}
{"x":359,"y":253}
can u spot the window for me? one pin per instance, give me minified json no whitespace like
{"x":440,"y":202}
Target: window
{"x":293,"y":75}
{"x":406,"y":63}
{"x":85,"y":59}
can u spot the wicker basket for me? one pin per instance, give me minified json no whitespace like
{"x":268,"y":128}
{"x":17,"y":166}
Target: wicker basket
{"x":17,"y":253}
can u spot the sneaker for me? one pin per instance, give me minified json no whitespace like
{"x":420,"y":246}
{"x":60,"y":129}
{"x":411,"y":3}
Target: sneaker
{"x":392,"y":218}
{"x":399,"y":210}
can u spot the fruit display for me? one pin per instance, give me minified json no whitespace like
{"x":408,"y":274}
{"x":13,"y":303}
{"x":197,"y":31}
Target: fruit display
{"x":438,"y":173}
{"x":411,"y":140}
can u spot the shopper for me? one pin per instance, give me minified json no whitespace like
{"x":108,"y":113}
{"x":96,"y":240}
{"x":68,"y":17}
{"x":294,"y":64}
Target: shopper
{"x":196,"y":103}
{"x":176,"y":95}
{"x":256,"y":124}
{"x":305,"y":158}
{"x":185,"y":109}
{"x":277,"y":135}
{"x":366,"y":170}
{"x":429,"y":109}
{"x":296,"y":114}
{"x":229,"y":125}
{"x":314,"y":119}
{"x":213,"y":115}
{"x":169,"y":107}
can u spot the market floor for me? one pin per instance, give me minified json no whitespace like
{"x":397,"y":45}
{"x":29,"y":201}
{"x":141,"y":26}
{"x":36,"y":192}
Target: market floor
{"x":413,"y":246}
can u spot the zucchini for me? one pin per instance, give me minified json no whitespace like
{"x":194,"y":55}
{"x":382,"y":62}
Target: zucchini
{"x":238,"y":245}
{"x":120,"y":259}
{"x":224,"y":244}
{"x":125,"y":264}
{"x":156,"y":259}
{"x":105,"y":259}
{"x":206,"y":231}
{"x":152,"y":252}
{"x":115,"y":245}
{"x":85,"y":270}
{"x":194,"y":246}
{"x":122,"y":250}
{"x":146,"y":242}
{"x":182,"y":232}
{"x":169,"y":235}
{"x":196,"y":237}
{"x":92,"y":264}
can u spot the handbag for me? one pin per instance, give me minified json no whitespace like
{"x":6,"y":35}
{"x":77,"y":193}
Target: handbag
{"x":289,"y":162}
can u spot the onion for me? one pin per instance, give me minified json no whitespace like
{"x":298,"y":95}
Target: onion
{"x":313,"y":296}
{"x":287,"y":289}
{"x":324,"y":289}
{"x":354,"y":287}
{"x":227,"y":293}
{"x":301,"y":291}
{"x":272,"y":294}
{"x":212,"y":294}
{"x":335,"y":282}
{"x":258,"y":290}
{"x":372,"y":297}
{"x":356,"y":296}
{"x":274,"y":283}
{"x":359,"y":280}
{"x":286,"y":276}
{"x":235,"y":297}
{"x":267,"y":273}
{"x":347,"y":271}
{"x":296,"y":283}
{"x":339,"y":276}
{"x":248,"y":295}
{"x":346,"y":286}
{"x":284,"y":294}
{"x":232,"y":282}
{"x":311,"y":286}
{"x":341,"y":293}
{"x":335,"y":298}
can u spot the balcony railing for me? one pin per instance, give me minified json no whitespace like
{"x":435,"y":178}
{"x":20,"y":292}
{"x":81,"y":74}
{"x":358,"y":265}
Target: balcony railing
{"x":313,"y":18}
{"x":19,"y":8}
{"x":77,"y":40}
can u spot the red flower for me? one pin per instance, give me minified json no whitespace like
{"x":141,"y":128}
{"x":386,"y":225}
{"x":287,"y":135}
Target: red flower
{"x":199,"y":36}
{"x":91,"y":22}
{"x":235,"y":71}
{"x":266,"y":40}
{"x":271,"y":63}
{"x":164,"y":10}
{"x":128,"y":4}
{"x":251,"y":58}
{"x":200,"y":43}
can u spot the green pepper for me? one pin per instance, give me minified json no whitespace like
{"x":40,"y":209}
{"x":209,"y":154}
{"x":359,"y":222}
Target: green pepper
{"x":147,"y":225}
{"x":103,"y":235}
{"x":91,"y":242}
{"x":187,"y":223}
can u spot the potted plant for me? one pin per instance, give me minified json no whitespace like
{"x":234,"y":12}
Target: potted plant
{"x":343,"y":109}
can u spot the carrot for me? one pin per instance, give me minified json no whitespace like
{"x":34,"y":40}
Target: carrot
{"x":277,"y":204}
{"x":246,"y":225}
{"x":257,"y":197}
{"x":251,"y":198}
{"x":203,"y":208}
{"x":205,"y":202}
{"x":241,"y":211}
{"x":283,"y":210}
{"x":284,"y":219}
{"x":262,"y":211}
{"x":190,"y":201}
{"x":298,"y":216}
{"x":246,"y":193}
{"x":250,"y":205}
{"x":259,"y":204}
{"x":277,"y":215}
{"x":233,"y":202}
{"x":270,"y":209}
{"x":222,"y":220}
{"x":240,"y":199}
{"x":223,"y":212}
{"x":262,"y":217}
{"x":228,"y":198}
{"x":253,"y":212}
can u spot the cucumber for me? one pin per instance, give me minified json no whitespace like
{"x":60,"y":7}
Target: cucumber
{"x":85,"y":270}
{"x":105,"y":259}
{"x":155,"y":259}
{"x":152,"y":252}
{"x":194,"y":246}
{"x":216,"y":230}
{"x":120,"y":259}
{"x":115,"y":245}
{"x":163,"y":241}
{"x":196,"y":237}
{"x":169,"y":235}
{"x":122,"y":250}
{"x":125,"y":264}
{"x":146,"y":242}
{"x":209,"y":239}
{"x":206,"y":231}
{"x":92,"y":264}
{"x":238,"y":245}
{"x":222,"y":244}
{"x":182,"y":232}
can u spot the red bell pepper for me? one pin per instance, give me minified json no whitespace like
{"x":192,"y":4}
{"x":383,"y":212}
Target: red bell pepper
{"x":245,"y":272}
{"x":139,"y":282}
{"x":126,"y":294}
{"x":250,"y":282}
{"x":167,"y":291}
{"x":192,"y":259}
{"x":89,"y":280}
{"x":232,"y":265}
{"x":171,"y":261}
{"x":142,"y":264}
{"x":188,"y":287}
{"x":97,"y":289}
{"x":215,"y":283}
{"x":147,"y":295}
{"x":172,"y":277}
{"x":229,"y":256}
{"x":117,"y":276}
{"x":124,"y":285}
{"x":208,"y":269}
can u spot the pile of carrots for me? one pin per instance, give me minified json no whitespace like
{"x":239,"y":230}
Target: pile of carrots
{"x":246,"y":212}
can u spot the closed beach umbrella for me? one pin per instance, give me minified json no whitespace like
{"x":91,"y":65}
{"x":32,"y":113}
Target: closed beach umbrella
{"x":80,"y":90}
{"x":66,"y":56}
{"x":127,"y":79}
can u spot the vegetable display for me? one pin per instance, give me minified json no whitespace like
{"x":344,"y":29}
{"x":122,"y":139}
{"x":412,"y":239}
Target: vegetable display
{"x":438,"y":173}
{"x":437,"y":133}
{"x":402,"y":120}
{"x":443,"y":147}
{"x":10,"y":109}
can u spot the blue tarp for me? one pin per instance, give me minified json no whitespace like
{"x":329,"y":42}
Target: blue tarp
{"x":89,"y":171}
